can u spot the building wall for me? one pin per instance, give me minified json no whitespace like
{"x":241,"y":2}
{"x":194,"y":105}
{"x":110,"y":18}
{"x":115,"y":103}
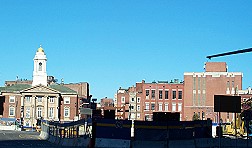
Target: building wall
{"x":201,"y":87}
{"x":138,"y":99}
{"x":81,"y":88}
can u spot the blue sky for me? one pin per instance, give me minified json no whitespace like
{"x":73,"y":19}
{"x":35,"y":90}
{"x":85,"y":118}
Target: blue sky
{"x":117,"y":43}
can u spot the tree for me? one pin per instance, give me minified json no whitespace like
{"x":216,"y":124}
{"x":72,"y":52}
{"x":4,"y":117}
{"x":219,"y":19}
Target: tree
{"x":195,"y":117}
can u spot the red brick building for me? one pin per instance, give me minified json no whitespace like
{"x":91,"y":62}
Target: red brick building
{"x":141,"y":101}
{"x":200,"y":88}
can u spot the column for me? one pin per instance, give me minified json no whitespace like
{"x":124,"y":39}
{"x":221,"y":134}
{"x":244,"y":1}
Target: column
{"x":56,"y":103}
{"x":45,"y":107}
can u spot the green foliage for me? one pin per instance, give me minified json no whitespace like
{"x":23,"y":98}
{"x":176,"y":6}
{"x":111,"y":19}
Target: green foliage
{"x":196,"y":117}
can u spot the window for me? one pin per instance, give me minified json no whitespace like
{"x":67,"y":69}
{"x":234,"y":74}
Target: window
{"x":147,"y":106}
{"x":66,"y":112}
{"x":27,"y":113}
{"x":27,"y":98}
{"x":232,"y":83}
{"x":27,"y":123}
{"x":180,"y":95}
{"x":131,"y":107}
{"x":51,"y":99}
{"x":173,"y":107}
{"x":123,"y":99}
{"x":39,"y":98}
{"x":160,"y":94}
{"x":179,"y":107}
{"x":166,"y":94}
{"x":160,"y":107}
{"x":153,"y":94}
{"x":66,"y":100}
{"x":12,"y":99}
{"x":40,"y":66}
{"x":147,"y":117}
{"x":51,"y":112}
{"x":138,"y":99}
{"x":132,"y":99}
{"x":227,"y":84}
{"x":152,"y":106}
{"x":11,"y":111}
{"x":147,"y":92}
{"x":173,"y":94}
{"x":166,"y":107}
{"x":39,"y":112}
{"x":138,"y":107}
{"x":138,"y":115}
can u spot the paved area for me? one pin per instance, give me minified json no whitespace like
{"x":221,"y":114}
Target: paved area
{"x":22,"y":139}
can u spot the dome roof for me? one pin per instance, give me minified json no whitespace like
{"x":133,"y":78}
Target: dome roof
{"x":40,"y":49}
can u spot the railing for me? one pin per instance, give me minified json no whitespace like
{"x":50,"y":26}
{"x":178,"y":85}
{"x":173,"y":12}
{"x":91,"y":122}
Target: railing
{"x":77,"y":133}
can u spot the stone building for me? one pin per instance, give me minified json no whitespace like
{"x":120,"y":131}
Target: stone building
{"x":38,"y":99}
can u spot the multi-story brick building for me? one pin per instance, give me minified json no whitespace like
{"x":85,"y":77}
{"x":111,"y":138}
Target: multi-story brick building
{"x":200,"y":88}
{"x":31,"y":100}
{"x":141,"y":101}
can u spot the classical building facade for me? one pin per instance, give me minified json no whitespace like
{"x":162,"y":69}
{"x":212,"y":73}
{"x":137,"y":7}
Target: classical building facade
{"x":38,"y":99}
{"x":200,"y":88}
{"x":140,"y":101}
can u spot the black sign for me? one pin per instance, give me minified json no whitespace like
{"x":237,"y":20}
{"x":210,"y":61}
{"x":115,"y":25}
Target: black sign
{"x":166,"y":116}
{"x":224,"y":103}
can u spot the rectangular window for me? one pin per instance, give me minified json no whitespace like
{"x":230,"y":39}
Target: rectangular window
{"x":66,"y":100}
{"x":138,"y":107}
{"x":166,"y":94}
{"x":11,"y":111}
{"x":166,"y":107}
{"x":51,"y":99}
{"x":28,"y":98}
{"x":153,"y":94}
{"x":138,"y":115}
{"x":160,"y":107}
{"x":132,"y":99}
{"x":228,"y":84}
{"x":123,"y":99}
{"x":147,"y":106}
{"x":51,"y":112}
{"x":39,"y":98}
{"x":131,"y":107}
{"x":173,"y":107}
{"x":180,"y":95}
{"x":27,"y":112}
{"x":66,"y":112}
{"x":160,"y":94}
{"x":179,"y":107}
{"x":173,"y":94}
{"x":152,"y":106}
{"x":39,"y":112}
{"x":147,"y":92}
{"x":12,"y":99}
{"x":232,"y":83}
{"x":138,"y":99}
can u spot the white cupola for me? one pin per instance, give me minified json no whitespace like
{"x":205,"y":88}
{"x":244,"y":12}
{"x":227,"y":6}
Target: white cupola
{"x":39,"y":72}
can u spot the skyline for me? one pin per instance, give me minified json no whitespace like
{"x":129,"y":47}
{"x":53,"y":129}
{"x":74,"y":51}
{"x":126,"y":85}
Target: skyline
{"x":115,"y":44}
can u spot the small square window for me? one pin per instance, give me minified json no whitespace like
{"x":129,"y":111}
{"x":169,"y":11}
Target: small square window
{"x":12,"y":99}
{"x":66,"y":100}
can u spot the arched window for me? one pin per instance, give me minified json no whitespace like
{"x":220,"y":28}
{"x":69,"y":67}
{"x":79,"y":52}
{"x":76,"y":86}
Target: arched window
{"x":40,"y":66}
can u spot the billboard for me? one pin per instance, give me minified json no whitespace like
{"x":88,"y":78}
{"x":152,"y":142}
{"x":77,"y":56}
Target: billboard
{"x":225,"y":103}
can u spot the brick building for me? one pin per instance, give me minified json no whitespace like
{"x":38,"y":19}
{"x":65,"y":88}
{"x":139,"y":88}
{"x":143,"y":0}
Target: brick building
{"x":41,"y":98}
{"x":140,"y":101}
{"x":200,"y":88}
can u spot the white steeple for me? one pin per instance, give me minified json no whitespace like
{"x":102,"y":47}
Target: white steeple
{"x":39,"y":72}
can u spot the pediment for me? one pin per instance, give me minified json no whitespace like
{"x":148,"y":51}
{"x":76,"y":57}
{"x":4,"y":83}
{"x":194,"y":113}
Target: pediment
{"x":40,"y":89}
